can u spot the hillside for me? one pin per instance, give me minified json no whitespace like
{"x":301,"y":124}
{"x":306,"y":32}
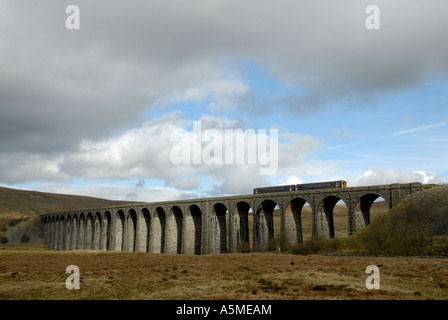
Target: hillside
{"x":22,"y":203}
{"x":17,"y":206}
{"x":426,"y":210}
{"x":417,"y":226}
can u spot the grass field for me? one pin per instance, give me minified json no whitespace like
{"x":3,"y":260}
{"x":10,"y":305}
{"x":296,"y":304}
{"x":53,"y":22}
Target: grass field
{"x":33,"y":272}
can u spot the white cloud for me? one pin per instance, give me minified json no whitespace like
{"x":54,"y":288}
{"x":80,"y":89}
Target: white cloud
{"x":104,"y":76}
{"x":293,"y":180}
{"x":379,"y":176}
{"x":144,"y":153}
{"x":73,"y":103}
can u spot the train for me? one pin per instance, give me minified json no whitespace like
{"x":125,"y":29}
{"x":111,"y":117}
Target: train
{"x":304,"y":186}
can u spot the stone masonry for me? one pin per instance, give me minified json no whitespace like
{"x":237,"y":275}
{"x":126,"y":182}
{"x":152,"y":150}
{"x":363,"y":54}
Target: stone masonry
{"x":214,"y":225}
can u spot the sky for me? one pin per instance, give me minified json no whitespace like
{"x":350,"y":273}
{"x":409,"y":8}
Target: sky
{"x":93,"y":111}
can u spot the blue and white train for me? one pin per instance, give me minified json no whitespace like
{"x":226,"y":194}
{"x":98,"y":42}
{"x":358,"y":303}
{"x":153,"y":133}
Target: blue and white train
{"x":305,"y":186}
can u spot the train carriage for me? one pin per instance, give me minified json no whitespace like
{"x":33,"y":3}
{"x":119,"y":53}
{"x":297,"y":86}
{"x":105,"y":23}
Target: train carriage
{"x":274,"y":189}
{"x":304,"y":186}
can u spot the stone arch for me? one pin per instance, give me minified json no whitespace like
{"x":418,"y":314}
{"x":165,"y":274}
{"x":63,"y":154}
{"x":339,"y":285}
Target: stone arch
{"x":192,"y":230}
{"x":52,"y":231}
{"x":68,"y":232}
{"x":81,"y":234}
{"x":119,"y":230}
{"x":75,"y":232}
{"x":218,"y":226}
{"x":239,"y":234}
{"x":361,"y":216}
{"x":145,"y":230}
{"x":88,"y":232}
{"x":97,"y":231}
{"x":323,"y":218}
{"x":174,"y":224}
{"x":56,"y":233}
{"x":106,"y":231}
{"x":264,"y":225}
{"x":293,"y":229}
{"x":63,"y":240}
{"x":130,"y":231}
{"x":158,"y":231}
{"x":61,"y":233}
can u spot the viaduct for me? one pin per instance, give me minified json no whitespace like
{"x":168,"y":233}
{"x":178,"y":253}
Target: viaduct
{"x":214,"y":225}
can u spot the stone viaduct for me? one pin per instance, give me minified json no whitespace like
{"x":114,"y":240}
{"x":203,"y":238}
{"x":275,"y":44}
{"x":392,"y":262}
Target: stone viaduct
{"x":214,"y":225}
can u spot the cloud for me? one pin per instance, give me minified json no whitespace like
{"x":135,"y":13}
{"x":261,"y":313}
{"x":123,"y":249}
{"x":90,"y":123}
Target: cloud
{"x":140,"y":183}
{"x":346,"y":132}
{"x":59,"y":87}
{"x":293,"y":180}
{"x":379,"y":176}
{"x":74,"y":103}
{"x":420,"y":128}
{"x":145,"y":153}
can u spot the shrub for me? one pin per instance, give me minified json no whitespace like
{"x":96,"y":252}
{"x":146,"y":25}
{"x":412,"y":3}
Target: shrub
{"x":4,"y":240}
{"x":25,"y":238}
{"x":312,"y":245}
{"x":13,"y":222}
{"x":408,"y":229}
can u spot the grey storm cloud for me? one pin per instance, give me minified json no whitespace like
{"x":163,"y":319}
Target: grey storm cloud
{"x":60,"y":87}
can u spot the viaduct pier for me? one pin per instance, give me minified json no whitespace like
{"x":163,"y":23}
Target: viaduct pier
{"x":214,"y":225}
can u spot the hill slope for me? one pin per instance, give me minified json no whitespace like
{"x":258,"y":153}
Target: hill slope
{"x":18,"y":206}
{"x":419,"y":226}
{"x":21,"y":203}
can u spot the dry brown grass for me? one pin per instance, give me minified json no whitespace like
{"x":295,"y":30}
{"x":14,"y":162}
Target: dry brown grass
{"x":36,"y":273}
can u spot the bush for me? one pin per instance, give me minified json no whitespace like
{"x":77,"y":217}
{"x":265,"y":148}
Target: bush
{"x":310,"y":246}
{"x":25,"y":238}
{"x":313,"y":245}
{"x":408,"y":229}
{"x":4,"y":240}
{"x":13,"y":222}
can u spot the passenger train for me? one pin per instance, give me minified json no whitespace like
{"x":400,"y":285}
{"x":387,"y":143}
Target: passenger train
{"x":305,"y":186}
